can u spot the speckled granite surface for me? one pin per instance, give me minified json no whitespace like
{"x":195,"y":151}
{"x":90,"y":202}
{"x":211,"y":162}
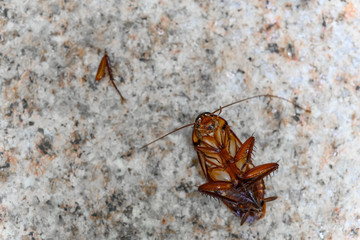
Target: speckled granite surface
{"x":70,"y":167}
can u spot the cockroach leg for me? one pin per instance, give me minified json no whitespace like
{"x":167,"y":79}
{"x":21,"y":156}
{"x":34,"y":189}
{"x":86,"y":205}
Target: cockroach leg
{"x":215,"y":186}
{"x":221,"y":197}
{"x":208,"y":149}
{"x":209,"y":187}
{"x":260,"y":171}
{"x":245,"y":216}
{"x":269,"y":199}
{"x":246,"y":148}
{"x":257,"y":173}
{"x":105,"y":64}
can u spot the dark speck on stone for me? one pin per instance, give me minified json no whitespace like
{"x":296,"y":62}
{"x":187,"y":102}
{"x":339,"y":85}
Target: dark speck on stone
{"x":183,"y":187}
{"x":25,"y":103}
{"x":128,"y":211}
{"x":84,"y":109}
{"x":45,"y":146}
{"x":11,"y":109}
{"x":209,"y":51}
{"x":277,"y":115}
{"x":240,"y":71}
{"x":273,"y":48}
{"x":77,"y":138}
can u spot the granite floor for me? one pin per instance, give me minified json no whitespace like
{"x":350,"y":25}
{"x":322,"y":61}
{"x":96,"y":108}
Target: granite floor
{"x":71,"y":166}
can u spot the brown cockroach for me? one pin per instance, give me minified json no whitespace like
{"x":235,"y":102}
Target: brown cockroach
{"x":106,"y":65}
{"x":228,"y":166}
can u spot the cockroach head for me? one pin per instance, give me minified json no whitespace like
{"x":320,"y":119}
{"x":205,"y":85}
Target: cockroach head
{"x":200,"y":116}
{"x":205,"y":121}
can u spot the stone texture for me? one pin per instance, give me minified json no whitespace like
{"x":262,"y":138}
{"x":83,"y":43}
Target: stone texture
{"x":70,"y":163}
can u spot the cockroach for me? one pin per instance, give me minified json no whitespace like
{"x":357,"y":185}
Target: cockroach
{"x":106,"y":65}
{"x":228,"y":166}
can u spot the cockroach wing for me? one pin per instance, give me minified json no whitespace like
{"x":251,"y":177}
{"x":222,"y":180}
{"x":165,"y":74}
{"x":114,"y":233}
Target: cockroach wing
{"x":202,"y":160}
{"x":101,"y":69}
{"x":232,"y":142}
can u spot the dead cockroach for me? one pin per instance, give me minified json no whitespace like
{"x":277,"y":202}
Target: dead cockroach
{"x":105,"y":64}
{"x":228,"y":166}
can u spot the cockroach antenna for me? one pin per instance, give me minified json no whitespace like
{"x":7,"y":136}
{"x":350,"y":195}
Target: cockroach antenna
{"x":262,"y":95}
{"x":228,"y":105}
{"x":188,"y":125}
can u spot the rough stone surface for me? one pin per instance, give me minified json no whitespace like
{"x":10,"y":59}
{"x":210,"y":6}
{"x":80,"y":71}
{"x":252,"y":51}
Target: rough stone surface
{"x":70,"y":164}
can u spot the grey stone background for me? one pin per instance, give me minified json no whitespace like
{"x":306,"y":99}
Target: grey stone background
{"x":70,"y":164}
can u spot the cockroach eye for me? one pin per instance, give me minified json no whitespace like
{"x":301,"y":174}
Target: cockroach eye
{"x":210,"y":127}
